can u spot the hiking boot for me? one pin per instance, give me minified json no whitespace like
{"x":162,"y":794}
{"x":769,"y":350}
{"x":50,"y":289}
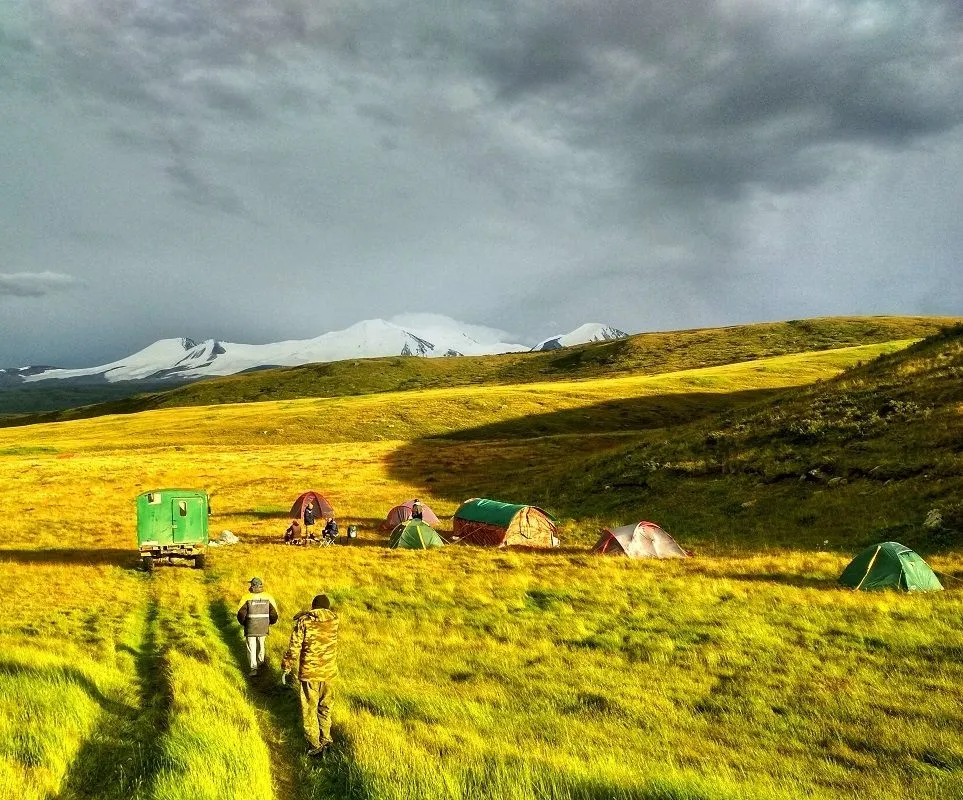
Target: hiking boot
{"x":252,"y":673}
{"x":319,"y":750}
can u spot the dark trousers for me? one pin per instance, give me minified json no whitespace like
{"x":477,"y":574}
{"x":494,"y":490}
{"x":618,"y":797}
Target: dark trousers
{"x":316,"y":699}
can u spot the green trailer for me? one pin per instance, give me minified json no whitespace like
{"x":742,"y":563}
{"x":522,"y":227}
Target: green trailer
{"x":172,"y":523}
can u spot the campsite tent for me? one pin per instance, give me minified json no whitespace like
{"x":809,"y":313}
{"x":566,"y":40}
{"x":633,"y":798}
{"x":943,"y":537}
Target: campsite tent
{"x":644,"y":540}
{"x":415,"y":535}
{"x":322,"y":508}
{"x":890,"y":565}
{"x":402,"y":513}
{"x":490,"y":522}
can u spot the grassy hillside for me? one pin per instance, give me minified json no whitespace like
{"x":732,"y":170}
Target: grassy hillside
{"x":56,"y":396}
{"x":742,"y":674}
{"x":873,"y":454}
{"x":644,"y":354}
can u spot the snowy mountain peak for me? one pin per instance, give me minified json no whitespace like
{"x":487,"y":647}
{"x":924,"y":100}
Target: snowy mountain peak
{"x":430,"y":336}
{"x":590,"y":332}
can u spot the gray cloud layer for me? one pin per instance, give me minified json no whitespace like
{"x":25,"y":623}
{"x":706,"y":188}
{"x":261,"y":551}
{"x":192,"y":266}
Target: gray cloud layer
{"x":527,"y":165}
{"x":34,"y":284}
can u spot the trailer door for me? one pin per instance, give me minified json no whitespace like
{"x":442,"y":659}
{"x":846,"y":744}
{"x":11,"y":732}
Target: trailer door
{"x":188,"y":519}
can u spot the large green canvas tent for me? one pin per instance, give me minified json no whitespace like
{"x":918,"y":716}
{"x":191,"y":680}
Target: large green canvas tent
{"x":415,"y":535}
{"x":493,"y":523}
{"x":890,"y":565}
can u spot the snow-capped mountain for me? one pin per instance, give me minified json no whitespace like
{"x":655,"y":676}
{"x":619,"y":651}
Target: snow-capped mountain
{"x":590,"y":332}
{"x":178,"y":360}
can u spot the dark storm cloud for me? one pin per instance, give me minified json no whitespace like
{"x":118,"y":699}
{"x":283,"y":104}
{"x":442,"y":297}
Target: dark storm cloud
{"x":621,"y":152}
{"x":34,"y":284}
{"x":716,"y":97}
{"x":693,"y":97}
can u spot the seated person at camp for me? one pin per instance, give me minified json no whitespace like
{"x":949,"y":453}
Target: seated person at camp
{"x":416,"y":512}
{"x":330,"y":532}
{"x":293,"y":534}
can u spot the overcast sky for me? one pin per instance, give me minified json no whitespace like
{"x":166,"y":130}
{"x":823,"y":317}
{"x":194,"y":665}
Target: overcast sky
{"x":257,"y":170}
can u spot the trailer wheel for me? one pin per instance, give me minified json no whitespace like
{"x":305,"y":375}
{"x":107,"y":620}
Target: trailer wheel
{"x":199,"y":561}
{"x":147,"y":562}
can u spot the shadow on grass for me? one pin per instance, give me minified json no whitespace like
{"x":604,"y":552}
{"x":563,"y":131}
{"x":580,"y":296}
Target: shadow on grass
{"x":614,"y":416}
{"x":124,"y":754}
{"x":336,"y":775}
{"x":261,"y":513}
{"x":800,"y":581}
{"x":532,"y":449}
{"x":76,"y":556}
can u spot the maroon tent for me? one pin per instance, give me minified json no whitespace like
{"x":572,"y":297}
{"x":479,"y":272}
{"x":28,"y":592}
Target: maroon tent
{"x":402,"y":513}
{"x":322,"y":508}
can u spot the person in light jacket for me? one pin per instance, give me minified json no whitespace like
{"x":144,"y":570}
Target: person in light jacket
{"x":257,"y":612}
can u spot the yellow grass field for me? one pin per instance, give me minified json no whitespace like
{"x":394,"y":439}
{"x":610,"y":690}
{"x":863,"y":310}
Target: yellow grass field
{"x":466,"y":673}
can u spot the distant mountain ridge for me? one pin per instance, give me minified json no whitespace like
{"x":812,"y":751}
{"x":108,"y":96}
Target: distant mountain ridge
{"x":184,"y":359}
{"x":590,"y":332}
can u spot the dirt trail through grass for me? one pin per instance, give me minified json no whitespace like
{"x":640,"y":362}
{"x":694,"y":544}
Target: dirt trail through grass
{"x":121,"y":758}
{"x":274,"y":709}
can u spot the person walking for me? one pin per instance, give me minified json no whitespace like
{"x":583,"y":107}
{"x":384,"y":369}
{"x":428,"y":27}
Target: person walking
{"x":257,"y":612}
{"x":312,"y":656}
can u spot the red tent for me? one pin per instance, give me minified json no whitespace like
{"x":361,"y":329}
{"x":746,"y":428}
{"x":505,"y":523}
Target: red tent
{"x":402,"y":513}
{"x":322,"y":508}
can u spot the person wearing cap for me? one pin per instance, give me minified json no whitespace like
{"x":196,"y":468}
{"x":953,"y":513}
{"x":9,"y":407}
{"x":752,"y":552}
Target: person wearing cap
{"x":257,"y":612}
{"x":312,"y":656}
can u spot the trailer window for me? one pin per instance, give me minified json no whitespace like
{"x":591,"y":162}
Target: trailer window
{"x":153,"y":498}
{"x":182,"y":508}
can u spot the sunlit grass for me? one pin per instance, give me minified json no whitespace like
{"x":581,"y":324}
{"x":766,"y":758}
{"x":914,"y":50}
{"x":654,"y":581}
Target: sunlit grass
{"x":742,"y":673}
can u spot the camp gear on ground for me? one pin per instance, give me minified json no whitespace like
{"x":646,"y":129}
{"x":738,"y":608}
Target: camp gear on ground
{"x":493,"y":523}
{"x":226,"y":538}
{"x":172,"y":523}
{"x":890,"y":565}
{"x":402,"y":513}
{"x":642,"y":540}
{"x":352,"y":531}
{"x":313,"y":647}
{"x":415,"y":535}
{"x":318,"y":505}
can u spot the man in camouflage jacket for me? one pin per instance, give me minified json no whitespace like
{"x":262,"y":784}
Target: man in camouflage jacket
{"x":312,"y":652}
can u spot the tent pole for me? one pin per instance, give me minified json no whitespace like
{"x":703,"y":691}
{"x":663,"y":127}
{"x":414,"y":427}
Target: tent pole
{"x":870,"y":567}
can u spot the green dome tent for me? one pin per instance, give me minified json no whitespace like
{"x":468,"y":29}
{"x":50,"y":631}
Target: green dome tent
{"x":890,"y":565}
{"x":415,"y":535}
